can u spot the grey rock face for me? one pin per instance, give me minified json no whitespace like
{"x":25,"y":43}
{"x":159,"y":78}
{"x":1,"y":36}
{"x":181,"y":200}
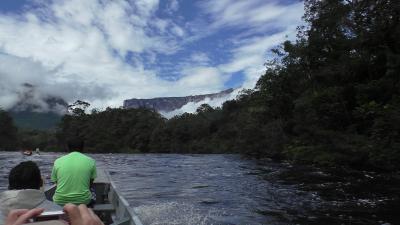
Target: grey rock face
{"x":168,"y":104}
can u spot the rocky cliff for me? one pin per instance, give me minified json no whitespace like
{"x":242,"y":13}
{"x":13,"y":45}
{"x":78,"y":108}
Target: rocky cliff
{"x":168,"y":104}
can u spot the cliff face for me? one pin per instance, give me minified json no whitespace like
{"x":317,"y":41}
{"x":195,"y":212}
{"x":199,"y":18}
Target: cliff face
{"x":168,"y":104}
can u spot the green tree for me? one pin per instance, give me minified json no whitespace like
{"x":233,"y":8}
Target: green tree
{"x":8,"y":132}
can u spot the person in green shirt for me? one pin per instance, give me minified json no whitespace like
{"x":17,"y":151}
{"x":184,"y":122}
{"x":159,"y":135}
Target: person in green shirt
{"x":74,"y":174}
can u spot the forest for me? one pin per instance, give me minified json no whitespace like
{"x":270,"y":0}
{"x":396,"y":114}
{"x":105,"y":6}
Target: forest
{"x":330,"y":97}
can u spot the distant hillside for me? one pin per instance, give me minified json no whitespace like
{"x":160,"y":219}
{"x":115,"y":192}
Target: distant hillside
{"x":33,"y":111}
{"x":168,"y":104}
{"x":35,"y":120}
{"x":29,"y":113}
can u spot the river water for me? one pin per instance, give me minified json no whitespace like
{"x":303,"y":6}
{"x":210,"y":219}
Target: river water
{"x":228,"y":189}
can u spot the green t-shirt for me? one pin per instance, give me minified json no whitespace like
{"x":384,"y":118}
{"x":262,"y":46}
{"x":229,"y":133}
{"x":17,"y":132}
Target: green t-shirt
{"x":73,"y":173}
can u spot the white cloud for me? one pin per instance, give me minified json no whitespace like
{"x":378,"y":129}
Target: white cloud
{"x":98,"y":50}
{"x":199,"y":58}
{"x":268,"y":24}
{"x":16,"y":73}
{"x":250,"y":56}
{"x":202,"y":79}
{"x":191,"y":107}
{"x":178,"y":31}
{"x":173,"y":6}
{"x":252,"y":13}
{"x":77,"y":48}
{"x":146,"y":7}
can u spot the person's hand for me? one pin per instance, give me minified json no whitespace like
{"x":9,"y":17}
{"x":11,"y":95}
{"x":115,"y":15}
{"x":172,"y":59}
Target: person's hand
{"x":81,"y":215}
{"x":21,"y":216}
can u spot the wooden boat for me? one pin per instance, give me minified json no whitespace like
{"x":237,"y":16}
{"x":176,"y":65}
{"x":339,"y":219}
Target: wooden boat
{"x":110,"y":206}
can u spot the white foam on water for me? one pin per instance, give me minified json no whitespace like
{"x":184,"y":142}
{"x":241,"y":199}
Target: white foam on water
{"x":173,"y":213}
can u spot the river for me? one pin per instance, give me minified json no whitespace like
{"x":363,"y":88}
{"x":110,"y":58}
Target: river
{"x":228,"y":189}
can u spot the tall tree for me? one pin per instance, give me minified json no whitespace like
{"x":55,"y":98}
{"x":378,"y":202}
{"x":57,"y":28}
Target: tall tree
{"x":8,"y":132}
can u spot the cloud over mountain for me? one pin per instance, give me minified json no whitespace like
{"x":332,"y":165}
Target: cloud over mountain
{"x":107,"y":51}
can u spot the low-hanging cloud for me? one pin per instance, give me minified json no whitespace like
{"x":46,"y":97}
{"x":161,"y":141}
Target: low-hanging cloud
{"x":97,"y":50}
{"x":191,"y":107}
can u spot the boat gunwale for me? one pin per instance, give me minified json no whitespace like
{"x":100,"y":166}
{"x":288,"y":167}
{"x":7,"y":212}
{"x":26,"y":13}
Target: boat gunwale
{"x":105,"y":179}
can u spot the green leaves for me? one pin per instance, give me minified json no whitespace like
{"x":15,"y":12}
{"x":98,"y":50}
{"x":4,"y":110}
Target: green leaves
{"x":8,"y":132}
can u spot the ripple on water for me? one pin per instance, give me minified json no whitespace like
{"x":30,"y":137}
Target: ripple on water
{"x":226,"y":189}
{"x":183,"y":213}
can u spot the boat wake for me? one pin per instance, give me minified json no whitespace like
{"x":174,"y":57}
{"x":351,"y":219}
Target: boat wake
{"x":175,"y":213}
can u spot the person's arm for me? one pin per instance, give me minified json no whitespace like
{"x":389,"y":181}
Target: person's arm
{"x":81,"y":215}
{"x":77,"y":215}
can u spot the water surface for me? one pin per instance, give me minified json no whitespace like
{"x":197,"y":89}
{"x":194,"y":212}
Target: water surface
{"x":228,"y":189}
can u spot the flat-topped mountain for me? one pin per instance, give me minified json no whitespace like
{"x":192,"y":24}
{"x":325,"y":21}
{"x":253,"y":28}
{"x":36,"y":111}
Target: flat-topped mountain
{"x":168,"y":104}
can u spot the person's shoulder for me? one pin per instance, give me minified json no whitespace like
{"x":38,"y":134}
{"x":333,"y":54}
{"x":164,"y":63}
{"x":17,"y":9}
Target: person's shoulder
{"x":8,"y":194}
{"x":88,"y":158}
{"x":86,"y":155}
{"x":66,"y":156}
{"x":60,"y":159}
{"x":92,"y":160}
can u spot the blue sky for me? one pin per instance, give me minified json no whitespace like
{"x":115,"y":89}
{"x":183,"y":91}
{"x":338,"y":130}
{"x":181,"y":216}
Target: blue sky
{"x":105,"y":51}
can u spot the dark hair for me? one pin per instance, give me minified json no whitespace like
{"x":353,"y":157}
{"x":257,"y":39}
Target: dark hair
{"x":75,"y":144}
{"x":25,"y":175}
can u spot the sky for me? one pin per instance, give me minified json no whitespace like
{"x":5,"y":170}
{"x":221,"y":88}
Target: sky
{"x":106,"y":51}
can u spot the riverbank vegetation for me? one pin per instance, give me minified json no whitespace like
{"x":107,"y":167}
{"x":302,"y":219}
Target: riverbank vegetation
{"x":331,"y":97}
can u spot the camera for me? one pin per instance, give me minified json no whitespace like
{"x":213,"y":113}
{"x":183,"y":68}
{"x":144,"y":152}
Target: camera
{"x":51,"y":215}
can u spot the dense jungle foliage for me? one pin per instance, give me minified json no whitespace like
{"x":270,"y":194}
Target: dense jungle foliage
{"x":331,"y":98}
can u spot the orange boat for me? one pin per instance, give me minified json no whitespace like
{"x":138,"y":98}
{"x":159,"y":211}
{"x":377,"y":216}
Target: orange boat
{"x":27,"y":152}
